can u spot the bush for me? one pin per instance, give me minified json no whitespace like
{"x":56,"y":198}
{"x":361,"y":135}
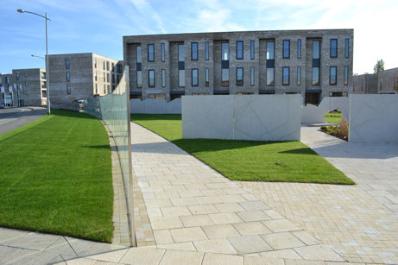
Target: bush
{"x":339,"y":131}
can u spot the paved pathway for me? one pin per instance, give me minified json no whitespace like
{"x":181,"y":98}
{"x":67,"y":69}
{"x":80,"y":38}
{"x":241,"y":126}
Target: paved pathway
{"x":29,"y":248}
{"x":17,"y":117}
{"x":361,"y":221}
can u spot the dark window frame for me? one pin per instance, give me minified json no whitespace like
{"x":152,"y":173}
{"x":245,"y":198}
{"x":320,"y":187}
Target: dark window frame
{"x":162,"y":52}
{"x":283,"y":75}
{"x":318,"y":83}
{"x":346,"y":75}
{"x":299,"y":48}
{"x":149,"y":78}
{"x":347,"y":44}
{"x":273,"y":49}
{"x":334,"y":51}
{"x":207,"y":50}
{"x":298,"y":75}
{"x":136,"y":54}
{"x":252,"y":74}
{"x":332,"y":82}
{"x":148,"y":53}
{"x":179,"y":79}
{"x":136,"y":79}
{"x":207,"y":77}
{"x":196,"y":57}
{"x":222,"y":50}
{"x":238,"y":43}
{"x":284,"y":55}
{"x":252,"y":49}
{"x":239,"y":82}
{"x":197,"y":77}
{"x":163,"y":78}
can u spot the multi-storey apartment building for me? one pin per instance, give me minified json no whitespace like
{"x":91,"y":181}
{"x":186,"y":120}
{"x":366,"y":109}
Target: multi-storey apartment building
{"x":31,"y":86}
{"x":24,"y":87}
{"x":315,"y":63}
{"x":77,"y":76}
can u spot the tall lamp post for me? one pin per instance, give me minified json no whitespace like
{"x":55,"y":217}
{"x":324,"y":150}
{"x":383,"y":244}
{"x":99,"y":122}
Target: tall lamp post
{"x":46,"y":19}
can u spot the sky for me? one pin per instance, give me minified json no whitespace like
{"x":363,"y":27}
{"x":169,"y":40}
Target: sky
{"x":98,"y":25}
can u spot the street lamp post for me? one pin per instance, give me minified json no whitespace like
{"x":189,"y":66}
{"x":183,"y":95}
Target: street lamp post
{"x":46,"y":19}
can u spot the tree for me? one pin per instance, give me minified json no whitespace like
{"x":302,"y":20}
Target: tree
{"x":379,"y":66}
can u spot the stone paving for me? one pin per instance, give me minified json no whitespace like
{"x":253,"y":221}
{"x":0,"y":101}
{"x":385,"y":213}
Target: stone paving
{"x":360,"y":222}
{"x":25,"y":248}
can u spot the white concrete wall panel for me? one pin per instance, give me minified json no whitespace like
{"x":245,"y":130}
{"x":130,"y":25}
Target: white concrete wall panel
{"x":242,"y":117}
{"x":373,"y":118}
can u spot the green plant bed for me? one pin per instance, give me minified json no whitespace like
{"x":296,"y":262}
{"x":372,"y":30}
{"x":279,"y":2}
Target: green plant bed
{"x":249,"y":160}
{"x":56,"y":177}
{"x":333,"y":117}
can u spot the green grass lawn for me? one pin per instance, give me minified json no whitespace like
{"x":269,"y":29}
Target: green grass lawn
{"x":333,"y":117}
{"x":56,"y":177}
{"x":247,"y":160}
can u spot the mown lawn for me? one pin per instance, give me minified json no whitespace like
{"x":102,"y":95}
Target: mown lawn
{"x":247,"y":160}
{"x":55,"y":177}
{"x":333,"y":117}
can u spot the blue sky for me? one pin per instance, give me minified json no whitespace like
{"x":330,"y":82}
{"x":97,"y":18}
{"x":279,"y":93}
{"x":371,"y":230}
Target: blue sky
{"x":98,"y":25}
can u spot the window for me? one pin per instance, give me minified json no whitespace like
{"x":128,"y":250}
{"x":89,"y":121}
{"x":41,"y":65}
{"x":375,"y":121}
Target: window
{"x":346,"y":74}
{"x":195,"y":77}
{"x":285,"y":76}
{"x":333,"y":48}
{"x":252,"y":76}
{"x":207,"y":82}
{"x":194,"y":51}
{"x":225,"y":77}
{"x":95,"y":63}
{"x":270,"y":50}
{"x":67,"y":63}
{"x":151,"y":52}
{"x":316,"y":49}
{"x":162,"y":52}
{"x":207,"y":56}
{"x":298,"y":49}
{"x":347,"y":47}
{"x":139,"y":79}
{"x":68,"y":89}
{"x":151,"y":78}
{"x":103,"y":65}
{"x":239,"y":50}
{"x":138,"y":58}
{"x":181,"y":78}
{"x":270,"y":76}
{"x":239,"y":76}
{"x":181,"y":53}
{"x":252,"y":49}
{"x":224,"y":51}
{"x":107,"y":66}
{"x":298,"y":76}
{"x":333,"y":75}
{"x":315,"y":76}
{"x":286,"y":49}
{"x":163,"y":77}
{"x":68,"y":76}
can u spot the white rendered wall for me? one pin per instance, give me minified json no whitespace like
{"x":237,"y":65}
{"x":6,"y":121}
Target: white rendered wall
{"x":373,"y":118}
{"x":242,"y":117}
{"x":156,"y":106}
{"x":315,"y":114}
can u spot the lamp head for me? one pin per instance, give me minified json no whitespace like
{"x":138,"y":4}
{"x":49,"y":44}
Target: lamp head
{"x":19,"y":10}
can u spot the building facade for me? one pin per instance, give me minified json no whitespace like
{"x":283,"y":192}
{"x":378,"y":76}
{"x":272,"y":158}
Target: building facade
{"x":24,"y":87}
{"x":77,"y":76}
{"x":384,"y":82}
{"x":314,"y":63}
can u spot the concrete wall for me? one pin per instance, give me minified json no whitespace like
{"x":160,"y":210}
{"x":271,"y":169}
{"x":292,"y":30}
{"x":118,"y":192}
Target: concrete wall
{"x":156,"y":106}
{"x":387,"y":81}
{"x":315,"y":114}
{"x":243,"y":117}
{"x":373,"y":118}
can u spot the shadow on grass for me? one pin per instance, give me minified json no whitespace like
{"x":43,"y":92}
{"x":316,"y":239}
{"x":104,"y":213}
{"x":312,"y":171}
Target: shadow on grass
{"x":72,"y":114}
{"x":151,"y":117}
{"x":299,"y":151}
